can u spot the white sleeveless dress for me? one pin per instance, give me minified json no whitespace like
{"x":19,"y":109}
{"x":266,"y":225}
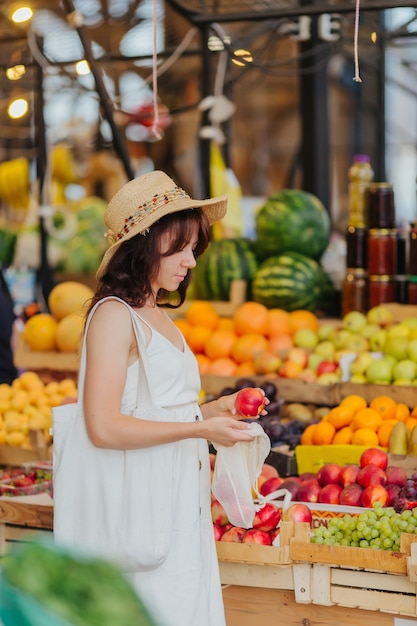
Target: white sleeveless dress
{"x":185,"y":590}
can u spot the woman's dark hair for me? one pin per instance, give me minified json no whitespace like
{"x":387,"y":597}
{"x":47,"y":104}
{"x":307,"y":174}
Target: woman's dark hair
{"x":136,"y":262}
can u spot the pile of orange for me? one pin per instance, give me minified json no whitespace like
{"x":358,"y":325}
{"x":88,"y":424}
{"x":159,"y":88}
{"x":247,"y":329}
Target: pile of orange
{"x":355,"y":422}
{"x":230,"y":346}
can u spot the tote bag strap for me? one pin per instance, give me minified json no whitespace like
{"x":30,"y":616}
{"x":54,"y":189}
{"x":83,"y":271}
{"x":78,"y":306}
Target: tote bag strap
{"x":144,"y":394}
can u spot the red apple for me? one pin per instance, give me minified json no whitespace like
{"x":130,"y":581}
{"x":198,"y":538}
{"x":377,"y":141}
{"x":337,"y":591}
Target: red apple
{"x":307,"y":476}
{"x":233,"y":535}
{"x":271,"y":484}
{"x":371,"y":475}
{"x":349,"y":474}
{"x":218,"y":531}
{"x":330,"y":493}
{"x":250,"y":402}
{"x":393,"y":491}
{"x":274,"y":533}
{"x":254,"y":535}
{"x":292,"y":485}
{"x":267,"y":517}
{"x":297,"y":512}
{"x":373,"y":494}
{"x":309,"y":491}
{"x":218,"y":514}
{"x":376,"y":456}
{"x":329,"y":474}
{"x":395,"y":475}
{"x":351,"y":495}
{"x":269,"y":470}
{"x":289,"y":369}
{"x":326,"y":367}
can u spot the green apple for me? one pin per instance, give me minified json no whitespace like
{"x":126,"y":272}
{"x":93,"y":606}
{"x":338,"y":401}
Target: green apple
{"x":380,"y":315}
{"x":305,"y":338}
{"x":396,"y":347}
{"x":403,"y":382}
{"x":411,"y":322}
{"x":391,"y":359}
{"x":359,"y":379}
{"x":412,"y":350}
{"x":357,"y":343}
{"x":361,"y":362}
{"x":379,"y":372}
{"x":404,"y":369}
{"x":326,"y":349}
{"x":326,"y":331}
{"x":341,"y":338}
{"x":413,"y":334}
{"x":377,"y":341}
{"x":329,"y":378}
{"x":398,"y":330}
{"x":369,"y":330}
{"x":314,"y":359}
{"x":354,"y":321}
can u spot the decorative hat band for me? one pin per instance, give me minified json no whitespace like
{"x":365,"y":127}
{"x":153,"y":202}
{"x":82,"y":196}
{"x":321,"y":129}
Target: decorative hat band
{"x":147,"y":208}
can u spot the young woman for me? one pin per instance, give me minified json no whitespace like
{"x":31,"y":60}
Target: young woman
{"x":156,"y":232}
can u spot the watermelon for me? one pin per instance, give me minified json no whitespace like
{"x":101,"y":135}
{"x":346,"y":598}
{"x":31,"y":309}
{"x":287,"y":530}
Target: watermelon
{"x":223,"y":261}
{"x":292,"y":221}
{"x":288,"y":281}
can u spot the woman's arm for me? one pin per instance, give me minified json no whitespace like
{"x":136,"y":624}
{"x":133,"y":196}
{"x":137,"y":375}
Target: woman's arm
{"x":111,"y":348}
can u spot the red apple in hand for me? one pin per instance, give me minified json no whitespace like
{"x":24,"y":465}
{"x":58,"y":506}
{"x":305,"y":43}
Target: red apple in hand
{"x":250,"y":402}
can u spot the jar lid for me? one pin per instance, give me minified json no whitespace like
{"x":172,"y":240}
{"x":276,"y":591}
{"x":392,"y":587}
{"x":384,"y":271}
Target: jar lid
{"x":381,"y":278}
{"x":387,"y":186}
{"x":412,"y":279}
{"x":360,"y":230}
{"x":362,"y":158}
{"x":382,"y":232}
{"x":356,"y":271}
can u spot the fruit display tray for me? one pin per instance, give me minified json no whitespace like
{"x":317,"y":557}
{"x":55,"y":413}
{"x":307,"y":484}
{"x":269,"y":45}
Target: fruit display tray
{"x":312,"y":458}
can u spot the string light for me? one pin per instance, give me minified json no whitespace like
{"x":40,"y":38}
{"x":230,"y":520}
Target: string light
{"x":82,"y":68}
{"x":17,"y":108}
{"x":22,"y":14}
{"x":15,"y":72}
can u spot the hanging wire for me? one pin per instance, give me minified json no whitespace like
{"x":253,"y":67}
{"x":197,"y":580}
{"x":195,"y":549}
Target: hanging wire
{"x":155,"y":130}
{"x":356,"y":78}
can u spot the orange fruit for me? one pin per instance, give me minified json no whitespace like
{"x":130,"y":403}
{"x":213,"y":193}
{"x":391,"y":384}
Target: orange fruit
{"x":307,"y":435}
{"x":219,"y":343}
{"x":343,"y":436}
{"x":222,"y":367}
{"x":410,"y":422}
{"x":401,"y":412}
{"x":246,"y":368}
{"x":203,"y":363}
{"x":354,"y":401}
{"x":197,"y":337}
{"x":278,"y":322}
{"x":366,"y":418}
{"x":251,"y":317}
{"x":414,"y":412}
{"x":69,"y":333}
{"x":365,"y":437}
{"x":302,"y":318}
{"x":202,"y":313}
{"x":340,"y":416}
{"x":247,"y":346}
{"x":226,"y":323}
{"x":280,"y":343}
{"x":40,"y":331}
{"x":183,"y":326}
{"x":385,"y":405}
{"x":323,"y":433}
{"x":384,"y":432}
{"x":69,"y":297}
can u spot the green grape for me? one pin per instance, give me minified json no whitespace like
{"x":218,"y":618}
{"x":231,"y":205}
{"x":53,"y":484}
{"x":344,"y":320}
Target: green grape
{"x":364,"y":544}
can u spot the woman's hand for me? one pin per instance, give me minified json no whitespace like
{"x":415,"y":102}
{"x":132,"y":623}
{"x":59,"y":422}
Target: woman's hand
{"x":227,"y":431}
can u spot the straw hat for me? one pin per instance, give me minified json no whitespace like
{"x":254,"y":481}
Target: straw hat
{"x":143,"y":201}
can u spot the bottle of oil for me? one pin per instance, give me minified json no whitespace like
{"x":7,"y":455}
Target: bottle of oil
{"x":360,"y":175}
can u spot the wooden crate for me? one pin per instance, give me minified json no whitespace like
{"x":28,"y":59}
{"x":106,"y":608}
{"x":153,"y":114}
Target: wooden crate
{"x":23,"y":521}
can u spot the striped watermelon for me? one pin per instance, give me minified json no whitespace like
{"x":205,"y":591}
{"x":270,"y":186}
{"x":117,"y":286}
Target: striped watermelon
{"x":288,"y":281}
{"x":292,"y":221}
{"x":223,"y":261}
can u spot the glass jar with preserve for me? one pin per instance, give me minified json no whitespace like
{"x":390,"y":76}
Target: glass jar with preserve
{"x":382,"y":251}
{"x":355,"y":291}
{"x":382,"y":289}
{"x":380,"y":203}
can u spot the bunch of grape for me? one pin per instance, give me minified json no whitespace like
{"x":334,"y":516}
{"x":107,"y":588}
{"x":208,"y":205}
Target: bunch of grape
{"x":378,"y":529}
{"x":406,"y":497}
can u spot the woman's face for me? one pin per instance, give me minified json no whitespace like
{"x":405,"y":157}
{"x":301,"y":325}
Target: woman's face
{"x":174,"y":268}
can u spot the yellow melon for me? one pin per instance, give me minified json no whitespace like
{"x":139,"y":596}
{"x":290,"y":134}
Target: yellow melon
{"x":69,"y":297}
{"x":69,"y":333}
{"x":39,"y":334}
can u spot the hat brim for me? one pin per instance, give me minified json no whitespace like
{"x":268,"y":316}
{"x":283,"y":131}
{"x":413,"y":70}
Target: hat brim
{"x":214,"y":208}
